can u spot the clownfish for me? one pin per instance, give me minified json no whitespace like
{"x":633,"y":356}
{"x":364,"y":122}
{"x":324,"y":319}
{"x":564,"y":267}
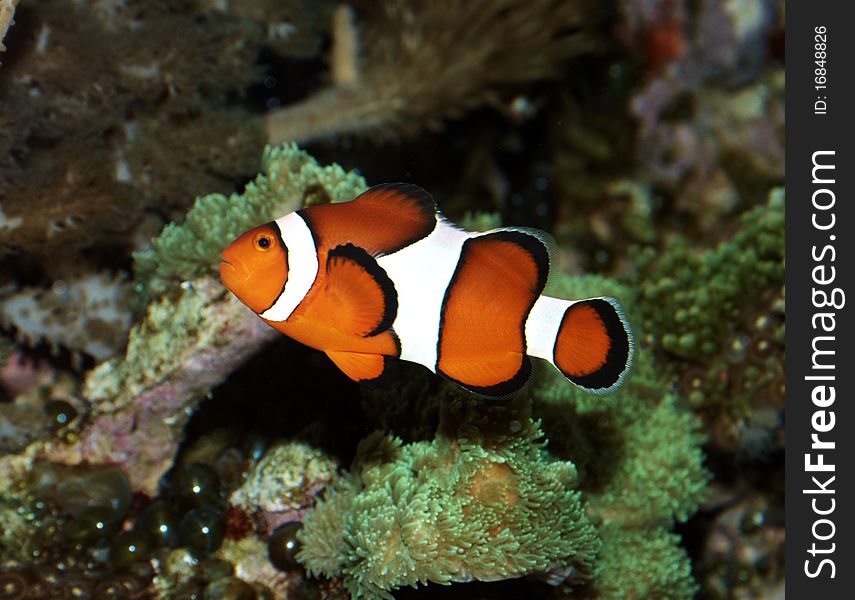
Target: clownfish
{"x":386,"y":277}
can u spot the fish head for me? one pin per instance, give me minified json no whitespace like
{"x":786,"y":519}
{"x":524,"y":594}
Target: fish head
{"x":254,"y":267}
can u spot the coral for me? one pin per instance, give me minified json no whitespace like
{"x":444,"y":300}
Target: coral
{"x":7,"y":18}
{"x":635,"y":455}
{"x":193,"y":335}
{"x":658,"y":478}
{"x":642,"y":563}
{"x":116,"y":115}
{"x":188,"y":342}
{"x":744,"y":553}
{"x":129,"y":111}
{"x":719,"y":313}
{"x":284,"y":482}
{"x":702,"y":144}
{"x":245,"y":555}
{"x":20,"y":424}
{"x":483,"y":500}
{"x":289,"y":179}
{"x":684,"y":131}
{"x":640,"y":466}
{"x":408,"y":66}
{"x":90,"y":313}
{"x":640,"y":463}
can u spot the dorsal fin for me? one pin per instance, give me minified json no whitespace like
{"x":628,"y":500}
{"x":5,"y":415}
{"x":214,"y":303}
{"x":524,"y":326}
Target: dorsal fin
{"x":401,"y":197}
{"x":362,"y":298}
{"x":381,"y":220}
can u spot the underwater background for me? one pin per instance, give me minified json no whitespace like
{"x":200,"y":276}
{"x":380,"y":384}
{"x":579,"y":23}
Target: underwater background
{"x":157,"y":440}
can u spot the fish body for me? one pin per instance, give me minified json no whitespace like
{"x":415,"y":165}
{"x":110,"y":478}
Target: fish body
{"x":387,"y":277}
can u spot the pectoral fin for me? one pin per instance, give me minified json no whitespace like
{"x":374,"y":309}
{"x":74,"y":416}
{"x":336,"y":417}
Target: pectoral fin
{"x":362,"y":299}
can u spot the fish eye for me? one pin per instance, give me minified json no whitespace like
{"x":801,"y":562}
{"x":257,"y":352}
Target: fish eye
{"x":263,"y":241}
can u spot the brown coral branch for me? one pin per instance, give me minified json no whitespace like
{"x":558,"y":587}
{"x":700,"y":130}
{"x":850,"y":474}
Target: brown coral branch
{"x":424,"y":62}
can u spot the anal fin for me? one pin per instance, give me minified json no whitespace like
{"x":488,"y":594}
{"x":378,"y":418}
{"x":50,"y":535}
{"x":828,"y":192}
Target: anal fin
{"x":363,"y":367}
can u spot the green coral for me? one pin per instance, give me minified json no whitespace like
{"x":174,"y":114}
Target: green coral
{"x":635,"y":454}
{"x":640,"y":461}
{"x":483,"y":500}
{"x":720,"y":312}
{"x":480,"y":221}
{"x":642,"y":563}
{"x":290,"y":179}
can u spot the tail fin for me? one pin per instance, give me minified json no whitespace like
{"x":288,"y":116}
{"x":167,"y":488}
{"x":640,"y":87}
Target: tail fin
{"x":592,"y":346}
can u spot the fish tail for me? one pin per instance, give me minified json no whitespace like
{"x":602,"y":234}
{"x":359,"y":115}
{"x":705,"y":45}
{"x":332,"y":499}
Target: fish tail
{"x":589,"y":340}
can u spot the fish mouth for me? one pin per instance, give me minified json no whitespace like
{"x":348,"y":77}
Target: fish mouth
{"x":228,"y":272}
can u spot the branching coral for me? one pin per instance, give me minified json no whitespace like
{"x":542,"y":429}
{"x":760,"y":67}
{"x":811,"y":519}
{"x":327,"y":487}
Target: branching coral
{"x":124,"y":112}
{"x":193,"y":334}
{"x":719,"y":313}
{"x":412,"y":65}
{"x":481,"y":501}
{"x":290,"y":179}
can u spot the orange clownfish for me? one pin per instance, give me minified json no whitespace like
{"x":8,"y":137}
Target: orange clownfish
{"x":386,"y":277}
